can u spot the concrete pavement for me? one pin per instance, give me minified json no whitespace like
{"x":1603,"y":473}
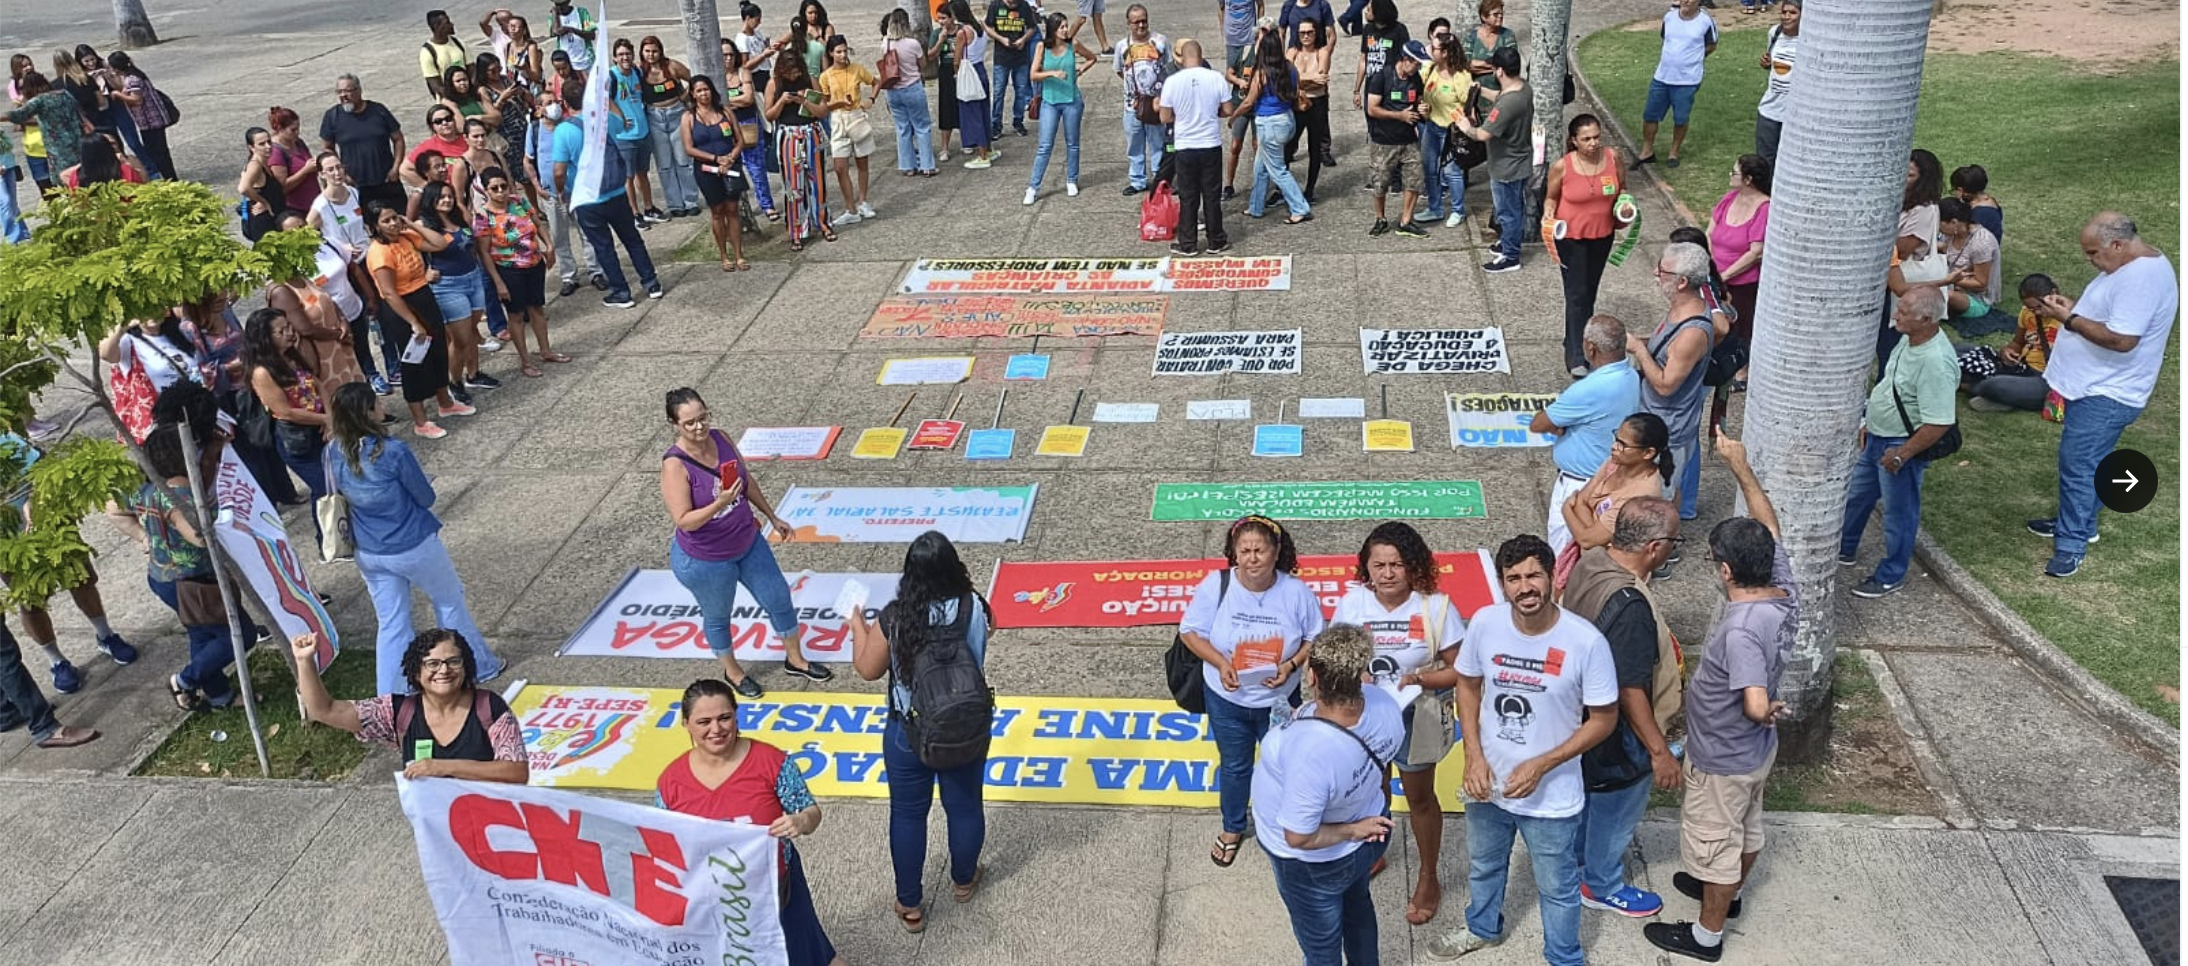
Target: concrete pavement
{"x":550,"y":497}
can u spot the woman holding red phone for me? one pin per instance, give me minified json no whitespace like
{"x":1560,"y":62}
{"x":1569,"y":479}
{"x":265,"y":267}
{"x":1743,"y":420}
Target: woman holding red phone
{"x":713,"y":500}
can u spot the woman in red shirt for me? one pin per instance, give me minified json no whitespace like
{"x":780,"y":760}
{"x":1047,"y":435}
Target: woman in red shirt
{"x":730,"y":778}
{"x":1582,"y":194}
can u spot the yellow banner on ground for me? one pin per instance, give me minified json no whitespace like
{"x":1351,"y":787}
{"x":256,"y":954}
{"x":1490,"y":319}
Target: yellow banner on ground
{"x":1079,"y":751}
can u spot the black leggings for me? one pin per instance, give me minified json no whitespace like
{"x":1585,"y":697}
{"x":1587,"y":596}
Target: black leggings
{"x":1583,"y":259}
{"x":155,"y":154}
{"x":1314,"y":125}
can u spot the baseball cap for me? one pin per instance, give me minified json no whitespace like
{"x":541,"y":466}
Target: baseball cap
{"x":1417,"y":51}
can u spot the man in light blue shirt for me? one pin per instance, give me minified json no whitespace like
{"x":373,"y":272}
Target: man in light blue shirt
{"x":1586,"y":416}
{"x":608,"y":218}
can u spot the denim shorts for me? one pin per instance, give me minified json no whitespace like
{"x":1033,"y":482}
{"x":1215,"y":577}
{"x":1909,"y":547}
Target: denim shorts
{"x":461,"y":295}
{"x":638,"y":152}
{"x":1676,"y":98}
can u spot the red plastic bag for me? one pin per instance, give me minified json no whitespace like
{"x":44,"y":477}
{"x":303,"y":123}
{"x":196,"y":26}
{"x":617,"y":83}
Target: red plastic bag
{"x":1159,"y":215}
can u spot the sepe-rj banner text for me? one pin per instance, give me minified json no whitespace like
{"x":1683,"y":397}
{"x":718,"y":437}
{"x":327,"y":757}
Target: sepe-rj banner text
{"x":1080,"y":751}
{"x":1137,"y":593}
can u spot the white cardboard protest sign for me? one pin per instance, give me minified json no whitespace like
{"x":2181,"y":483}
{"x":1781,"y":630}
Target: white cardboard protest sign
{"x":1209,"y":353}
{"x":1440,"y":351}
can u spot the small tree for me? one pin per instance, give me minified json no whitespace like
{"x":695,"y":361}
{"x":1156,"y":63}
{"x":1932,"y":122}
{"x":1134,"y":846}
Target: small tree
{"x":105,"y":254}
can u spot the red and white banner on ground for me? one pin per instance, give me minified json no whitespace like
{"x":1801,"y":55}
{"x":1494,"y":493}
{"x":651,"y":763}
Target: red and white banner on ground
{"x":523,"y":876}
{"x":651,"y":615}
{"x":1137,"y":593}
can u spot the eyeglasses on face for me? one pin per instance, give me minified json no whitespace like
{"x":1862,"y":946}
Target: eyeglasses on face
{"x":441,"y":664}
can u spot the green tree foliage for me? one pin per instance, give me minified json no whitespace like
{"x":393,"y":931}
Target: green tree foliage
{"x":102,"y":255}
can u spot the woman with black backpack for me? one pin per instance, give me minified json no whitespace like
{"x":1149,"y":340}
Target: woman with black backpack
{"x":932,"y":642}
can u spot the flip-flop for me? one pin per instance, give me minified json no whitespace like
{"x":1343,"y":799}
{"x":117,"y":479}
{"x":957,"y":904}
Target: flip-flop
{"x":554,"y":357}
{"x":1225,"y":852}
{"x":1672,"y":163}
{"x":913,"y":920}
{"x":743,"y":265}
{"x":1300,"y":219}
{"x":530,"y":371}
{"x":184,"y":698}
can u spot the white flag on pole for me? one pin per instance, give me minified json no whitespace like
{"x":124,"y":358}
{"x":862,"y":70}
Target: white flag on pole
{"x":595,"y":118}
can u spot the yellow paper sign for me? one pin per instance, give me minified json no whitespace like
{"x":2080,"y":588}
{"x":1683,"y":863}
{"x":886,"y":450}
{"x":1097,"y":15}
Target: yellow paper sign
{"x":1080,"y":751}
{"x":878,"y":443}
{"x":1386,"y":436}
{"x":1063,"y":441}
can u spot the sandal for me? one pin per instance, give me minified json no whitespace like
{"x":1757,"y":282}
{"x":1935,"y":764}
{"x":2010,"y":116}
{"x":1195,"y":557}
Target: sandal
{"x":742,"y":266}
{"x":797,"y":244}
{"x":1226,"y":853}
{"x":912,"y":919}
{"x":964,"y":893}
{"x":554,"y":357}
{"x":828,"y":235}
{"x":530,"y":371}
{"x":728,"y":266}
{"x":772,"y":214}
{"x":1300,"y":219}
{"x":184,"y":698}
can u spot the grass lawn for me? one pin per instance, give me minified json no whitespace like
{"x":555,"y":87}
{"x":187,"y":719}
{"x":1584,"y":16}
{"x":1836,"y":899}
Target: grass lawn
{"x":2060,"y":144}
{"x":294,"y":749}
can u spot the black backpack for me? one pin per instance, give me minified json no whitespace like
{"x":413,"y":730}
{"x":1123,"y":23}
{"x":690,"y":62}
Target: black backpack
{"x":952,"y":716}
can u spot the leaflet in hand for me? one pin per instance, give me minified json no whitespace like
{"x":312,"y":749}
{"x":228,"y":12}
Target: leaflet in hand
{"x":852,"y":599}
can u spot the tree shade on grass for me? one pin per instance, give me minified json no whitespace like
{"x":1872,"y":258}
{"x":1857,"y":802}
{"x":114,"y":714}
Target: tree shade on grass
{"x":2060,"y":143}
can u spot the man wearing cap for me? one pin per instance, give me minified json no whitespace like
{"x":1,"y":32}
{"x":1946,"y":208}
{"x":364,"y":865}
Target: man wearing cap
{"x":1394,"y":111}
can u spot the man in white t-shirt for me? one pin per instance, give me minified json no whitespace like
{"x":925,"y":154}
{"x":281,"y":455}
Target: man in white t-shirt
{"x":1536,"y":688}
{"x":573,"y":33}
{"x":2109,"y":353}
{"x":1779,"y":51}
{"x":1194,"y":101}
{"x":1689,"y":35}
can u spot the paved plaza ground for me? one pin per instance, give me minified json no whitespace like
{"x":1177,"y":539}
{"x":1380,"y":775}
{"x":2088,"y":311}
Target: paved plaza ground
{"x":550,"y":496}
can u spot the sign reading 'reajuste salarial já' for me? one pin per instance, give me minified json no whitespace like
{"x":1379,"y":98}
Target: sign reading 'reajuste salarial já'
{"x":1449,"y":351}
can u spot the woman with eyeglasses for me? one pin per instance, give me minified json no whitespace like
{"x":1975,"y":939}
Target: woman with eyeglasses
{"x":1250,"y":625}
{"x":1640,"y":465}
{"x":716,"y":508}
{"x":399,"y":548}
{"x":510,"y":232}
{"x":444,"y":723}
{"x":1487,"y":37}
{"x":709,"y":135}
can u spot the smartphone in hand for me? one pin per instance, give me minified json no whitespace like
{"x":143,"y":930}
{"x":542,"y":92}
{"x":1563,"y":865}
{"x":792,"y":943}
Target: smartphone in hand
{"x":730,"y":473}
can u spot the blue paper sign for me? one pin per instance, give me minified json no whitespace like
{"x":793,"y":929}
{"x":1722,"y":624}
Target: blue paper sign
{"x":1279,"y":440}
{"x":990,"y":444}
{"x":1026,"y":367}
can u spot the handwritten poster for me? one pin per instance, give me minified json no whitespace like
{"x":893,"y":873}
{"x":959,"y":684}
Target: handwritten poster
{"x":1015,"y":316}
{"x":788,"y":442}
{"x":1209,"y":353}
{"x":1063,"y":441}
{"x":1127,"y":412}
{"x":1386,"y":436}
{"x":1448,"y":351}
{"x":1272,"y":273}
{"x":878,"y":443}
{"x":925,"y":370}
{"x":1034,"y":276}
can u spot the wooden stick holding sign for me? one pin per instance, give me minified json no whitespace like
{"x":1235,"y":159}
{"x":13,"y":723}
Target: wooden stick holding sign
{"x":884,"y":442}
{"x":1067,"y":439}
{"x":941,"y":433}
{"x":994,"y":442}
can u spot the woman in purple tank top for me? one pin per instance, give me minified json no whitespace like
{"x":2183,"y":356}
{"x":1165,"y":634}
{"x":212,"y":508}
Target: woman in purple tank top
{"x":718,"y":543}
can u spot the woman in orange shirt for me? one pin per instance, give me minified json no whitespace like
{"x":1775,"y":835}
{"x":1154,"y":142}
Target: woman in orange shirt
{"x":409,"y":311}
{"x":1584,"y":188}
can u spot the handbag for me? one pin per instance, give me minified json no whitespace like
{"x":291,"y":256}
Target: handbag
{"x":1159,"y":214}
{"x":1430,"y":717}
{"x":1945,"y":446}
{"x":198,"y":602}
{"x":886,"y":68}
{"x":1182,"y":667}
{"x":254,"y":425}
{"x":336,"y":542}
{"x":969,"y":86}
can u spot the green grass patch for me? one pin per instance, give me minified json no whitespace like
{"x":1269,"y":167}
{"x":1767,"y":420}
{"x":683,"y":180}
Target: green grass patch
{"x":774,"y":247}
{"x":1871,"y":771}
{"x":2060,"y":143}
{"x":294,"y":749}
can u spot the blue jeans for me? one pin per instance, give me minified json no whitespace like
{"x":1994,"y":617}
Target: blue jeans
{"x":606,"y":222}
{"x":713,"y":583}
{"x":1689,"y":478}
{"x":1446,"y":183}
{"x":21,"y":702}
{"x":1020,"y":76}
{"x":1270,"y":133}
{"x":1606,"y":832}
{"x":911,"y":795}
{"x":755,"y":159}
{"x":2090,"y":429}
{"x":389,"y":578}
{"x":12,"y":229}
{"x":1063,"y":115}
{"x":1332,"y":912}
{"x":665,"y":129}
{"x":1143,"y":146}
{"x":212,"y":649}
{"x":1238,"y":732}
{"x":301,"y":448}
{"x":1489,"y":831}
{"x":1902,"y":495}
{"x":1510,"y":201}
{"x":914,"y":128}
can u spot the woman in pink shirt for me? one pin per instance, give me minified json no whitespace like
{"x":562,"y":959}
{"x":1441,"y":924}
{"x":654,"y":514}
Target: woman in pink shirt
{"x":1736,"y":229}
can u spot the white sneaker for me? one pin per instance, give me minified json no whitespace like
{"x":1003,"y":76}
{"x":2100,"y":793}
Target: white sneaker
{"x":1071,"y":188}
{"x":490,"y":345}
{"x":944,"y":156}
{"x":1031,"y":193}
{"x":1457,"y":218}
{"x":1457,"y":943}
{"x":866,"y":210}
{"x":848,"y":217}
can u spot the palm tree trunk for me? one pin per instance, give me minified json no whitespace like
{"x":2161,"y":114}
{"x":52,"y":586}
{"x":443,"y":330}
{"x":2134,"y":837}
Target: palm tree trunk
{"x":702,"y":37}
{"x":132,"y":26}
{"x":922,"y":16}
{"x":1551,"y":33}
{"x":1842,"y":166}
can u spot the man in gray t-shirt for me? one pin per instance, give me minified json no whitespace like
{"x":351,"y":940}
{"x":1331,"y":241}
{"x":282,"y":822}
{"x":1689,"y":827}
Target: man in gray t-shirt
{"x":1508,"y":129}
{"x":1732,"y":714}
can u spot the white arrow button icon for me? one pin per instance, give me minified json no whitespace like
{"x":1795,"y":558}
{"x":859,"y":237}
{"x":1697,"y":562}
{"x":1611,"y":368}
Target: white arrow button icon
{"x":2129,"y":480}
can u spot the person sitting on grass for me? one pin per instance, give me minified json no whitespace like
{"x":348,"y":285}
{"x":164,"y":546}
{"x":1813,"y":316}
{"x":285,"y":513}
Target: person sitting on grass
{"x":445,"y":727}
{"x":1971,"y":258}
{"x":2011,"y":376}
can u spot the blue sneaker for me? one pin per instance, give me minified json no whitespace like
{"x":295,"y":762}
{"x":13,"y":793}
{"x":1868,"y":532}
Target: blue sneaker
{"x":2049,"y":527}
{"x":380,"y":386}
{"x":66,"y":679}
{"x":120,"y":650}
{"x":1627,"y":901}
{"x":2063,"y":565}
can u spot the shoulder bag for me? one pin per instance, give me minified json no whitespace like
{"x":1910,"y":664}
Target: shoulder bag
{"x":1430,"y":717}
{"x":1182,"y":666}
{"x":336,"y":543}
{"x":1945,"y":446}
